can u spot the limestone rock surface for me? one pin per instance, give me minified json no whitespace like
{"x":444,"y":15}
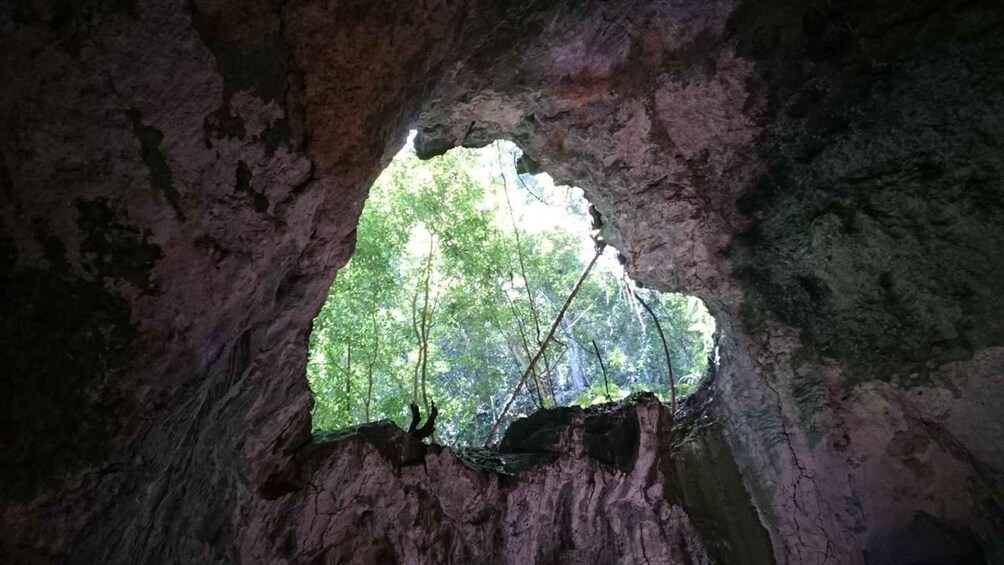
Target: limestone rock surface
{"x":180,"y":182}
{"x":373,"y":494}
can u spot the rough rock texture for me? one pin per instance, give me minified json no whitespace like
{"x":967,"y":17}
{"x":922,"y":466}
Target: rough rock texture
{"x":181,"y":180}
{"x":827,"y":177}
{"x":567,"y":486}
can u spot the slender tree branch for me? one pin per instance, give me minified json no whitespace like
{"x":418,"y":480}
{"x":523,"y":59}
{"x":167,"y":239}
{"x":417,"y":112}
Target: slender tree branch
{"x":525,"y":341}
{"x":532,"y":193}
{"x":543,"y":346}
{"x":549,"y":377}
{"x":519,"y":249}
{"x":665,"y":349}
{"x":418,"y":338}
{"x":426,"y":323}
{"x":579,"y":317}
{"x":372,"y":363}
{"x":534,"y":316}
{"x":606,"y":384}
{"x":348,"y":381}
{"x":515,"y":356}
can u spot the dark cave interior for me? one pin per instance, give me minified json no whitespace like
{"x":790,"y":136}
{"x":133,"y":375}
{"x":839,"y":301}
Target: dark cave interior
{"x":180,"y":183}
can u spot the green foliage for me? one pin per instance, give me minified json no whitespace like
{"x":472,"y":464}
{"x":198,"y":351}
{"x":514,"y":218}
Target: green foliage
{"x":462,"y":251}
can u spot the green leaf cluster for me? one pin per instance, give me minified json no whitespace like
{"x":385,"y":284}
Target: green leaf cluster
{"x":459,"y":270}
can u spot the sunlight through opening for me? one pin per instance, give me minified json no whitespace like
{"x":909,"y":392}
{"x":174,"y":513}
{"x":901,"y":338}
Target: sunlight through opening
{"x":462,"y":268}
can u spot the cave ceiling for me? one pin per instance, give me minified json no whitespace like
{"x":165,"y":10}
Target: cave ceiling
{"x":181,"y":181}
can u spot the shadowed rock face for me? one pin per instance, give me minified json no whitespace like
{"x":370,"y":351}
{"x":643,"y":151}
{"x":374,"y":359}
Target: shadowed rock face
{"x":181,"y":181}
{"x":544,"y":497}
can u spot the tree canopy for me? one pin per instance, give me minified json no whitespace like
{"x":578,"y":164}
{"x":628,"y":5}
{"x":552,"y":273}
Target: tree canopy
{"x":460,"y":269}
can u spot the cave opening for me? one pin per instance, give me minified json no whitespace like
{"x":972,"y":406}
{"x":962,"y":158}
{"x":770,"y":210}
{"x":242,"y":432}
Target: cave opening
{"x":480,"y":285}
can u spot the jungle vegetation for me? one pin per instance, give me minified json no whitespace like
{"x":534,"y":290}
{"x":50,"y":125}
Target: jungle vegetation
{"x":460,"y":271}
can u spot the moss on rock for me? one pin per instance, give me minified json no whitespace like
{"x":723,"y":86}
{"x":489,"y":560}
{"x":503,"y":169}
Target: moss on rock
{"x":887,"y":244}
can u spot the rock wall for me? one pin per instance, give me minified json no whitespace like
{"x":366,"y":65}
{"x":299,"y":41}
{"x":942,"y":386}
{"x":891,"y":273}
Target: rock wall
{"x":567,"y":486}
{"x":827,"y":178}
{"x":180,"y":182}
